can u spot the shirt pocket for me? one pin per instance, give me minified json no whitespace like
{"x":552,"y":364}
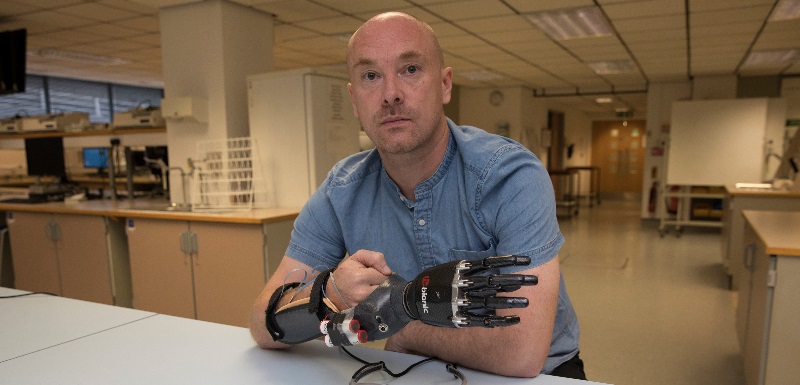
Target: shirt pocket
{"x":458,"y":255}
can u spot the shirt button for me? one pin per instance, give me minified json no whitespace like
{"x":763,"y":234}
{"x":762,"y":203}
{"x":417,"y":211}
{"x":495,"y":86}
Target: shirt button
{"x":421,"y":222}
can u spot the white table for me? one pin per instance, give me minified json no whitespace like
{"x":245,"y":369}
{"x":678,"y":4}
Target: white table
{"x":159,"y":349}
{"x":36,"y":322}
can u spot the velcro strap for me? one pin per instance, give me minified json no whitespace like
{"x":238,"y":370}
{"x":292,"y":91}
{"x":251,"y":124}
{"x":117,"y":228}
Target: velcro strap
{"x":272,"y":326}
{"x":315,"y":305}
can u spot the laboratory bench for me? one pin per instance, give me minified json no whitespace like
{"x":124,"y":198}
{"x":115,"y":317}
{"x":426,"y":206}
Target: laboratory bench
{"x":145,"y":254}
{"x":769,"y":297}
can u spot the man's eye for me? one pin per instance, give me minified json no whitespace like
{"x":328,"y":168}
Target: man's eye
{"x":370,"y":76}
{"x":411,"y":69}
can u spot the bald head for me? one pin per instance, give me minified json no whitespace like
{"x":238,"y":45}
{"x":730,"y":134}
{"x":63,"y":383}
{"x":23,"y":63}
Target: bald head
{"x":382,"y":28}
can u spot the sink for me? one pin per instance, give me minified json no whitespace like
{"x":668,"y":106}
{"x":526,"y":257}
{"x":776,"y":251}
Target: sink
{"x":180,"y":208}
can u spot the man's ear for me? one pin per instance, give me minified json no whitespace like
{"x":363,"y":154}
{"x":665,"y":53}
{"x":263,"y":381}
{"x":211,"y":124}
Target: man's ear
{"x":352,"y":99}
{"x":447,"y":84}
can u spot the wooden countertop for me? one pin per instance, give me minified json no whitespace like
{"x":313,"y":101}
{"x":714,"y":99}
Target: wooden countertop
{"x":148,"y":208}
{"x":754,"y":192}
{"x":779,"y":231}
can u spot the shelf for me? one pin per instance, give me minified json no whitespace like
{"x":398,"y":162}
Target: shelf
{"x":111,"y":131}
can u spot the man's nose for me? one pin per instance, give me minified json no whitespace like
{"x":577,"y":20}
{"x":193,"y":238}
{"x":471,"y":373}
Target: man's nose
{"x":392,"y":94}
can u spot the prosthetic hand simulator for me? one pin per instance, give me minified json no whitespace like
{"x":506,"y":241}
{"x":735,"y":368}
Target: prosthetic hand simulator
{"x":449,"y":295}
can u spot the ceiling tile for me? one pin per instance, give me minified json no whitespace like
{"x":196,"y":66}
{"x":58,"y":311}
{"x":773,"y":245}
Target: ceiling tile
{"x":496,"y":24}
{"x":52,"y":4}
{"x":703,"y":6}
{"x":417,"y":12}
{"x":109,"y":31}
{"x":98,"y":12}
{"x":443,"y":29}
{"x":364,"y":6}
{"x":654,"y":36}
{"x":469,"y":9}
{"x":454,"y":42}
{"x":290,"y":32}
{"x":142,"y":23}
{"x":730,"y":16}
{"x":314,"y":43}
{"x":332,"y":26}
{"x":54,"y":20}
{"x":528,"y":6}
{"x":131,"y":6}
{"x":297,"y":10}
{"x":650,"y":24}
{"x":642,"y":9}
{"x":76,"y":37}
{"x":526,"y":36}
{"x":8,"y":8}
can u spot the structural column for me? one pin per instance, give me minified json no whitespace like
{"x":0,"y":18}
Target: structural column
{"x":209,"y":48}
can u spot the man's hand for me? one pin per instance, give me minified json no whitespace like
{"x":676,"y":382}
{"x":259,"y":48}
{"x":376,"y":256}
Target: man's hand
{"x":356,"y":278}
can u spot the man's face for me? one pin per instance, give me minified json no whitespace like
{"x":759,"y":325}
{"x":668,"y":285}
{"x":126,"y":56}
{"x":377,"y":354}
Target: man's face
{"x":397,"y":85}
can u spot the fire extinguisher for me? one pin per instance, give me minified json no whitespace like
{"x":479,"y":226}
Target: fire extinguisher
{"x":651,"y":203}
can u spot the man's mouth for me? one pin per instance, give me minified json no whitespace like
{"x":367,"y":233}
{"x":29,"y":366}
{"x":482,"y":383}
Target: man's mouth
{"x":393,"y":119}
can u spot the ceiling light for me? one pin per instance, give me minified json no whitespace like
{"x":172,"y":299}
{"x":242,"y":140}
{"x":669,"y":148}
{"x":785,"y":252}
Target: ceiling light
{"x":772,"y":58}
{"x":78,"y":57}
{"x":604,"y":100}
{"x":572,"y":23}
{"x":612,"y":67}
{"x":786,"y":10}
{"x":480,"y":75}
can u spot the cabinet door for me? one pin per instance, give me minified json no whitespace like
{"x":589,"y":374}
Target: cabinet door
{"x":83,"y":258}
{"x":784,"y":342}
{"x":744,"y":258}
{"x":33,"y":252}
{"x":760,"y":295}
{"x":161,"y":274}
{"x":229,"y":271}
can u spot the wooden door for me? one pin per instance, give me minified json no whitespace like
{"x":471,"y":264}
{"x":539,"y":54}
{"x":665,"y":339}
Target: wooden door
{"x":161,"y":273}
{"x":617,"y":148}
{"x":83,"y":258}
{"x":229,"y":270}
{"x":33,"y":252}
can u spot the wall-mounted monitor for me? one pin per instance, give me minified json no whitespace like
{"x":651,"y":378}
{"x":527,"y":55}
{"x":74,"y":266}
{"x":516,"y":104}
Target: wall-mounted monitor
{"x":12,"y":61}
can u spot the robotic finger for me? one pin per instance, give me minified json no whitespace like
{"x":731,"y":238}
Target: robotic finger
{"x":493,"y":303}
{"x":475,"y":267}
{"x":498,"y":282}
{"x":487,"y":321}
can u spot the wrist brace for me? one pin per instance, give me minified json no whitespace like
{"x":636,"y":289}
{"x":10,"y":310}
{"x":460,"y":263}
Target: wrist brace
{"x":298,"y":321}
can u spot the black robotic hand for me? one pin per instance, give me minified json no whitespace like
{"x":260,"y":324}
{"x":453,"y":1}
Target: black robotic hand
{"x":449,"y":295}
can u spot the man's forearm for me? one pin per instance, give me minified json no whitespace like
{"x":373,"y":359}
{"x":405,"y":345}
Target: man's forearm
{"x":508,"y":351}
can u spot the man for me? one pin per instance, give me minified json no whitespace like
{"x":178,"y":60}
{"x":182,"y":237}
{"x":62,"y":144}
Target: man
{"x":432,"y":192}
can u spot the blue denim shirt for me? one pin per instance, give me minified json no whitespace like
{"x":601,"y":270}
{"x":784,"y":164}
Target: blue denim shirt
{"x":490,"y":196}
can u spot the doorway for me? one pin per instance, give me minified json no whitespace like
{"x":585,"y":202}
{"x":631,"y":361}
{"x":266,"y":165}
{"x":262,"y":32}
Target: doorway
{"x":618,"y":149}
{"x":555,"y":125}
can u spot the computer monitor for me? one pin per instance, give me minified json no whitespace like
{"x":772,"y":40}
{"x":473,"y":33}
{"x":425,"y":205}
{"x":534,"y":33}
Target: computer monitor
{"x":96,"y":157}
{"x":45,"y":157}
